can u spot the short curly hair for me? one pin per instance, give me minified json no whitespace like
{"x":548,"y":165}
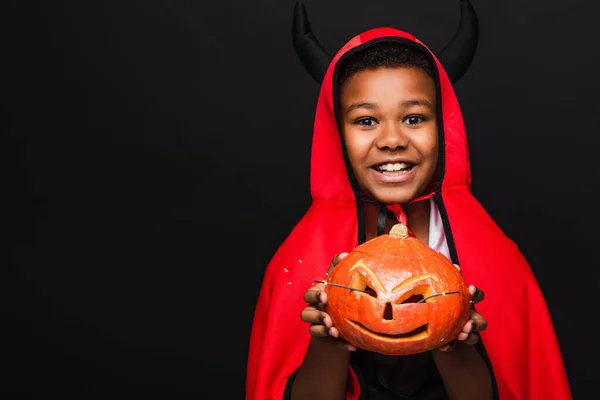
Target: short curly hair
{"x":385,"y":55}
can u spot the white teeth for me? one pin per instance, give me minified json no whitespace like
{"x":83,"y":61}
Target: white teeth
{"x":394,"y":166}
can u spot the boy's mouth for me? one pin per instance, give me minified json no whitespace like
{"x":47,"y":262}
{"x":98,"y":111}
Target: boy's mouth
{"x":392,"y":169}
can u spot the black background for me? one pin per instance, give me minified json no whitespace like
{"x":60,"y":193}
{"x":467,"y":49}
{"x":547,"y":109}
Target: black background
{"x":155,"y":154}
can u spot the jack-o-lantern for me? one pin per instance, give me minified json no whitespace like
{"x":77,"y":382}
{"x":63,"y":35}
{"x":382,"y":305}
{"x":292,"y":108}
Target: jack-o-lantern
{"x":395,"y":295}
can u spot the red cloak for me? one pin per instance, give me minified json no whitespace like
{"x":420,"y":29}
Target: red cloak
{"x":520,"y":340}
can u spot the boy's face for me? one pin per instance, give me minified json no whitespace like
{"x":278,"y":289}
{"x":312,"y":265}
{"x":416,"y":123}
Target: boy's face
{"x":389,"y":125}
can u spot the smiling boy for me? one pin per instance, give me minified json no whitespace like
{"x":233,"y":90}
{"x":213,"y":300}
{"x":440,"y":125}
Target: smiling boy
{"x":389,"y":145}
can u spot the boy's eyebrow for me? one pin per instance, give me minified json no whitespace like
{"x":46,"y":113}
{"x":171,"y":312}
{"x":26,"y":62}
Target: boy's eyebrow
{"x":366,"y":105}
{"x":414,"y":103}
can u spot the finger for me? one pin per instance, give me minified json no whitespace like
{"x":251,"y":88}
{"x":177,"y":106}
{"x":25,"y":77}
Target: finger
{"x":469,"y":335}
{"x":477,"y":294}
{"x":333,"y":332}
{"x":336,"y":259}
{"x":313,"y":315}
{"x":319,"y":330}
{"x":339,"y":257}
{"x":467,"y":328}
{"x":448,"y":346}
{"x":323,"y":297}
{"x":473,"y":338}
{"x":457,"y":267}
{"x":478,"y":322}
{"x":312,"y":295}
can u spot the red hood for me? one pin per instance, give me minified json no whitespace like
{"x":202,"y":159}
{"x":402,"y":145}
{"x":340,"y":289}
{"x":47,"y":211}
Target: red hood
{"x":329,"y":179}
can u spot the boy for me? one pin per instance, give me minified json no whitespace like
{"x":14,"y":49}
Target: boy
{"x":389,"y":136}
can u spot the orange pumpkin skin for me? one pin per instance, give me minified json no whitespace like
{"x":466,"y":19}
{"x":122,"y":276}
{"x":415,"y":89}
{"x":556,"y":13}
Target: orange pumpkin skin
{"x":397,"y":271}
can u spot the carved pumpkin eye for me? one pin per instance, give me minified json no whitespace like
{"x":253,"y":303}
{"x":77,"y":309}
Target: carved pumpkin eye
{"x":416,"y":295}
{"x":415,"y":298}
{"x":361,"y":283}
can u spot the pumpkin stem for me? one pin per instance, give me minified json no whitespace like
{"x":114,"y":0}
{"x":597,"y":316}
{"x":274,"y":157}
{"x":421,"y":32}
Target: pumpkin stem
{"x":399,"y":230}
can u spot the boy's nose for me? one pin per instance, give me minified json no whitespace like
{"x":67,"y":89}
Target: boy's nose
{"x":392,"y":137}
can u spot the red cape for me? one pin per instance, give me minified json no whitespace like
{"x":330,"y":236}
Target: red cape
{"x":520,"y":339}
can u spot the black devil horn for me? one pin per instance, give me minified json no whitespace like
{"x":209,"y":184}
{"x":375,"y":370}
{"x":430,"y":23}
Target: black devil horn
{"x":459,"y":52}
{"x":311,"y":53}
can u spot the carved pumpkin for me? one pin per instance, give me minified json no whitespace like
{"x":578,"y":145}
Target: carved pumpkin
{"x":402,"y":297}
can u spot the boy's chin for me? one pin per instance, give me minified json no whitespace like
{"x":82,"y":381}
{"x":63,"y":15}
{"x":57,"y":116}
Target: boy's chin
{"x":394,"y":198}
{"x":397,"y":195}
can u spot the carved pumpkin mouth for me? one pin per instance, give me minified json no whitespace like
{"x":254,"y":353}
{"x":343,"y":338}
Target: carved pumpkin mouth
{"x":418,"y":333}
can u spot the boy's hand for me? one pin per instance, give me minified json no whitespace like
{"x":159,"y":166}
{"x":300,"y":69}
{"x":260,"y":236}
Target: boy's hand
{"x":320,"y":322}
{"x":475,"y":324}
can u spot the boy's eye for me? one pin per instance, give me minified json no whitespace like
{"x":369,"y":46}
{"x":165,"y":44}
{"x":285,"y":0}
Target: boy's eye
{"x":366,"y":122}
{"x":413,"y":120}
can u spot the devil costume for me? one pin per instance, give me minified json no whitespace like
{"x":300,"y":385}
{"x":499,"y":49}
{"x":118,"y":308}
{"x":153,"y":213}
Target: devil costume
{"x":519,"y":345}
